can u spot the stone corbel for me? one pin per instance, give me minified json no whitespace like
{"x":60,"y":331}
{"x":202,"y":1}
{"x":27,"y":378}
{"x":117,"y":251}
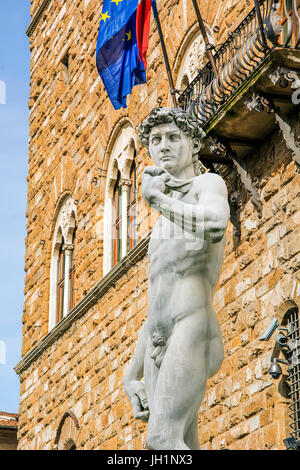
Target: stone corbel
{"x":258,"y":103}
{"x":234,"y":219}
{"x":247,"y":182}
{"x":292,"y":142}
{"x":215,"y":146}
{"x":218,"y":146}
{"x":284,"y":76}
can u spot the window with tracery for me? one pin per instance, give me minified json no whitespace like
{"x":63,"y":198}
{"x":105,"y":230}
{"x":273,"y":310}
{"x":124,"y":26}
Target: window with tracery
{"x":191,"y":57}
{"x":120,"y":211}
{"x":67,"y":432}
{"x":62,"y":270}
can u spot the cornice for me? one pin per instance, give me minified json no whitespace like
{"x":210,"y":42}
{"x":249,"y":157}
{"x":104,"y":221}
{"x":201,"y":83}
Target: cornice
{"x":36,"y":19}
{"x":85,"y":304}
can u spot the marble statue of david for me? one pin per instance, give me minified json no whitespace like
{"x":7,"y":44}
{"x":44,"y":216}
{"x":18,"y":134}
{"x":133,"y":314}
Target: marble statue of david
{"x":180,"y":345}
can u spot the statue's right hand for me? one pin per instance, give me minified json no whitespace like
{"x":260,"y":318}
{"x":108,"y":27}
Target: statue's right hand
{"x":153,"y":183}
{"x":138,"y":399}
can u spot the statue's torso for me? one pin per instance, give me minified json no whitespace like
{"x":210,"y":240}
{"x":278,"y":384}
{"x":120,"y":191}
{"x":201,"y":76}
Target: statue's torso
{"x":183,"y":274}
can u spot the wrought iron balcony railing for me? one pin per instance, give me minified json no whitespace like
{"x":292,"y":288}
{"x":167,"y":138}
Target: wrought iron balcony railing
{"x":269,"y":25}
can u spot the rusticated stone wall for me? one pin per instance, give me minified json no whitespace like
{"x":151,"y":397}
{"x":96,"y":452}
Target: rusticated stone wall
{"x":71,"y":123}
{"x":244,"y":407}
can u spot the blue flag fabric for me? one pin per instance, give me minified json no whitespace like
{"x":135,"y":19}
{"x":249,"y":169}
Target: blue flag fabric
{"x":118,"y":58}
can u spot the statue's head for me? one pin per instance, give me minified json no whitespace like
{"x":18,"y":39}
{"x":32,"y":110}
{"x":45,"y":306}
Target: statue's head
{"x":183,"y":121}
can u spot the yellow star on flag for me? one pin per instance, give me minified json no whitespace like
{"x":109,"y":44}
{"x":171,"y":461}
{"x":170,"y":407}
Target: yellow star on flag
{"x":116,"y":1}
{"x":104,"y":16}
{"x":128,"y":35}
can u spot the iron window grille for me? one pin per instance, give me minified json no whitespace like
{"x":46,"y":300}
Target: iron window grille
{"x":293,"y":334}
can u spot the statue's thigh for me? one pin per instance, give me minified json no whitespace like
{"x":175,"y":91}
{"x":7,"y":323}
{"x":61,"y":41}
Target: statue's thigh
{"x":182,"y":377}
{"x":150,"y":374}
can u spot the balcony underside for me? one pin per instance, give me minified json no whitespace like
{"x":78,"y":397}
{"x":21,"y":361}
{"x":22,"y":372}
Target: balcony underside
{"x":239,"y":124}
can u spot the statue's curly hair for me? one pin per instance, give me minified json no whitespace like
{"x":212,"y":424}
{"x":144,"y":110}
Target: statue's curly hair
{"x":184,"y":121}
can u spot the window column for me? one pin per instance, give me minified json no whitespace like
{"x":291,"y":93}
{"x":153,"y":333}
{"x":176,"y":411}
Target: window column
{"x":125,"y":183}
{"x":68,"y":250}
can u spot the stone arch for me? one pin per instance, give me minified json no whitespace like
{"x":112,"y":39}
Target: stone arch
{"x":60,"y":201}
{"x":67,"y":432}
{"x":113,"y":175}
{"x":120,"y":152}
{"x":191,"y":56}
{"x":288,"y":289}
{"x":130,"y":151}
{"x":118,"y":129}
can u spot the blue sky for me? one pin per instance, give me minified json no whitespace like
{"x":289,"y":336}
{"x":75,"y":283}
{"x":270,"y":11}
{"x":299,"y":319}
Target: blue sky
{"x":14,"y":72}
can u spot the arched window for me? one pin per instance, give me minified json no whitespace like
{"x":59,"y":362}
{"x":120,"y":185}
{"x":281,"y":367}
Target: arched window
{"x":191,"y":56}
{"x":120,"y":208}
{"x":62,"y":268}
{"x":67,"y":432}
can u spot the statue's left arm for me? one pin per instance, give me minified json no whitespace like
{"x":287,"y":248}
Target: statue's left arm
{"x":206,"y":219}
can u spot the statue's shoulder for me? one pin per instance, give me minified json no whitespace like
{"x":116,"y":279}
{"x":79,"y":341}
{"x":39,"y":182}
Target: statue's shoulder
{"x":210,"y":182}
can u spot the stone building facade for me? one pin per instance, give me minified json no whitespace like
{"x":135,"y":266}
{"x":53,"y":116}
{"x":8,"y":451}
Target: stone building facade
{"x":85,"y":298}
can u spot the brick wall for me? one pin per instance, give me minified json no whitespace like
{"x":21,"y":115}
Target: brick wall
{"x":70,"y":129}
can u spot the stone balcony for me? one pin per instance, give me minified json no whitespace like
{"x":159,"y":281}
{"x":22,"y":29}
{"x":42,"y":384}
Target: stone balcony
{"x":256,"y":87}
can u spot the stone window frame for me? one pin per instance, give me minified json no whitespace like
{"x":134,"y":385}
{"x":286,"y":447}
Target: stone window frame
{"x":63,"y":239}
{"x":67,"y":432}
{"x":120,"y":155}
{"x":189,"y":59}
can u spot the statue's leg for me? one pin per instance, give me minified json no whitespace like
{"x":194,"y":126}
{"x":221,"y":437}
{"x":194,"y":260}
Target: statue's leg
{"x":191,"y":436}
{"x":180,"y":385}
{"x":150,"y":374}
{"x":215,"y":346}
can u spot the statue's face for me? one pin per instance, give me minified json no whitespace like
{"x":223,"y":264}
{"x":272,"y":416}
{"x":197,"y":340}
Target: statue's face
{"x":171,"y":149}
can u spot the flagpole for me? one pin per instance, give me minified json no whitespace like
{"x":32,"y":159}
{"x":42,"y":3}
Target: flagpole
{"x":205,"y":38}
{"x":165,"y":55}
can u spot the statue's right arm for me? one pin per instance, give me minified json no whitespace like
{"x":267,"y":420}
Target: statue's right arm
{"x":206,"y":219}
{"x":134,"y":388}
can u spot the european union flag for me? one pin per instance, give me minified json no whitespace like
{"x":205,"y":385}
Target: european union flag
{"x":121,"y":47}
